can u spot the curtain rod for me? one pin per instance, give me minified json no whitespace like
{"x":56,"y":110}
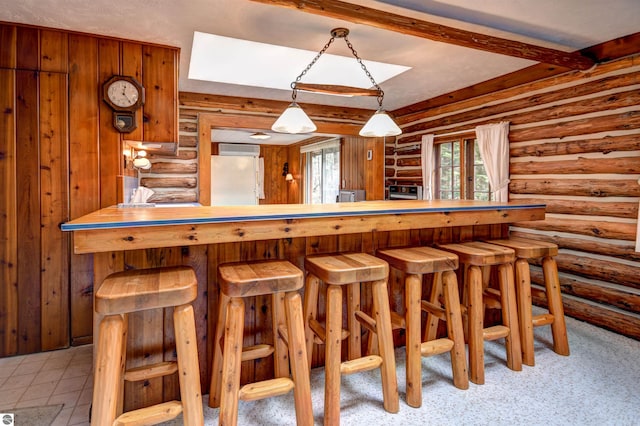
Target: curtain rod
{"x":459,"y":132}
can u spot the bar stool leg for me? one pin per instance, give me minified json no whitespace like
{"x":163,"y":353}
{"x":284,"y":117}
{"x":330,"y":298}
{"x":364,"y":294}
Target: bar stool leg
{"x":385,"y":346}
{"x":297,"y":356}
{"x":431,"y":327}
{"x":332,"y":358}
{"x":278,"y":319}
{"x":188,"y":367}
{"x":310,"y":311}
{"x":413,"y":295}
{"x":216,"y":366}
{"x":108,"y":370}
{"x":523,"y":295}
{"x":475,"y":312}
{"x":455,"y":330}
{"x":510,"y":316}
{"x":554,"y":299}
{"x":230,"y":384}
{"x":354,"y":344}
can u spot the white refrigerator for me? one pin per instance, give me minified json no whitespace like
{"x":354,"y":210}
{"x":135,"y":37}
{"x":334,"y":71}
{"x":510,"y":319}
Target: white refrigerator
{"x":234,"y":180}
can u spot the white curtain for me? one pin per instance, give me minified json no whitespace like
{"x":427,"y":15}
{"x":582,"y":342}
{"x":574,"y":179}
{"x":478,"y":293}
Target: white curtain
{"x":428,"y":167}
{"x":493,"y":142}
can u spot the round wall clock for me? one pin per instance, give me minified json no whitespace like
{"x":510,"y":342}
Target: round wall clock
{"x":123,"y":93}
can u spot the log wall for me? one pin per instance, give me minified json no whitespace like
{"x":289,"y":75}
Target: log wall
{"x":61,"y":158}
{"x":574,"y":145}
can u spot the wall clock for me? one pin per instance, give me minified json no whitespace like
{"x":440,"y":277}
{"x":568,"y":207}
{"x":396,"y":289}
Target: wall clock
{"x":125,"y":95}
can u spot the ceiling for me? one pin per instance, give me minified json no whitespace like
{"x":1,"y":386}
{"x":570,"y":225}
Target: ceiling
{"x":436,"y":68}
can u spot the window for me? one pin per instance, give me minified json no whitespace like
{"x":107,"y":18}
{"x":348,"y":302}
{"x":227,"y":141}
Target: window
{"x":322,"y":172}
{"x":460,"y":172}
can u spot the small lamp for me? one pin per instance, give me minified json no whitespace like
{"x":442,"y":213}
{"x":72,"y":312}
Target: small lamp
{"x":289,"y":177}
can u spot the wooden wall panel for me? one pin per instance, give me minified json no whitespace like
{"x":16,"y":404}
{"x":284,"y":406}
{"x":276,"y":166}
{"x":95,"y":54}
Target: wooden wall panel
{"x":54,"y":210}
{"x":8,"y":35}
{"x":8,"y":211}
{"x":28,"y":201}
{"x":131,"y":64}
{"x":84,"y":166}
{"x":28,"y":48}
{"x":161,"y":82}
{"x":574,"y":145}
{"x":54,"y":51}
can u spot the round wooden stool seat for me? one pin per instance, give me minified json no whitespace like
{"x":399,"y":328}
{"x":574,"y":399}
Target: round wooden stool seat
{"x":131,"y":291}
{"x":281,"y":280}
{"x":415,"y":262}
{"x":350,"y":270}
{"x":474,"y":256}
{"x":529,"y":249}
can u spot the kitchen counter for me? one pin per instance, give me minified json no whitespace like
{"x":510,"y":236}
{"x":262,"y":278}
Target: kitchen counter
{"x":204,"y":237}
{"x":114,"y":228}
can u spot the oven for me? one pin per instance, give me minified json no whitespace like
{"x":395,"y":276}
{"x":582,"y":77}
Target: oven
{"x":405,"y":192}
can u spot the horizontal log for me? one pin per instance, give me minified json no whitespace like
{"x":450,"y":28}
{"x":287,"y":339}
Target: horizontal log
{"x":584,"y":126}
{"x":188,"y":141}
{"x":183,"y":196}
{"x":182,"y":182}
{"x":408,"y":162}
{"x":605,"y":145}
{"x":625,"y":165}
{"x":583,"y":106}
{"x":409,"y":173}
{"x":591,"y":208}
{"x":604,"y":270}
{"x":166,"y":167}
{"x":627,"y":299}
{"x":188,"y":126}
{"x":576,"y":187}
{"x":611,"y":230}
{"x":595,"y":245}
{"x":180,"y":155}
{"x":601,"y":316}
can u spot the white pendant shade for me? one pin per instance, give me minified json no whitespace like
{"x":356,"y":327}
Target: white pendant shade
{"x":294,"y":120}
{"x":379,"y":125}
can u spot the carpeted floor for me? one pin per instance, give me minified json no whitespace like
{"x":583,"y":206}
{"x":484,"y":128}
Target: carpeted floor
{"x":599,"y":384}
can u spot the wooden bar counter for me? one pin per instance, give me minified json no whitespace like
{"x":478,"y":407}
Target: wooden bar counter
{"x":203,"y":237}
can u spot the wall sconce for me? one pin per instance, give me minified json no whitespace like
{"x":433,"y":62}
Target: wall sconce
{"x":285,"y":169}
{"x":289,"y":177}
{"x":140,"y":160}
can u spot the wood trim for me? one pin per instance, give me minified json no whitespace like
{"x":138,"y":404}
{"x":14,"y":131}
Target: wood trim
{"x":441,"y":33}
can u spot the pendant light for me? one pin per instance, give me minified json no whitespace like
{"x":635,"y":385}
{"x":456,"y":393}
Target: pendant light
{"x":295,"y":120}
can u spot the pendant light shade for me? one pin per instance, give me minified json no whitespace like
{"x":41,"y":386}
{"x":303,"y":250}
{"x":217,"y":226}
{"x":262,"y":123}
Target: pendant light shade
{"x":294,"y":120}
{"x":380,"y":125}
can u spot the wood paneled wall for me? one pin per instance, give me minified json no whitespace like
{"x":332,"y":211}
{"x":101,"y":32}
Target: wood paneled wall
{"x":60,"y":158}
{"x":574,"y":145}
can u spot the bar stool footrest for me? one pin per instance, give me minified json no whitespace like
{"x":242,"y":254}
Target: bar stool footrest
{"x":265,"y":389}
{"x":397,"y":321}
{"x":495,"y":332}
{"x":358,"y":365}
{"x":150,"y":415}
{"x":250,"y":353}
{"x":320,"y":333}
{"x":436,"y":347}
{"x":433,"y":309}
{"x":366,"y":321}
{"x":542,"y":319}
{"x":146,"y":372}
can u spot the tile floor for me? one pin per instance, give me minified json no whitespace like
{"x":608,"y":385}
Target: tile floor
{"x":48,"y":378}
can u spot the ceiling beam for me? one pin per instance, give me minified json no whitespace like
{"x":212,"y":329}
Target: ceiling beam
{"x":418,"y":28}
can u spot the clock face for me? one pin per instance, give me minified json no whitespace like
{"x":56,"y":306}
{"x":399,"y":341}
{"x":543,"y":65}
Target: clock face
{"x":123,"y":93}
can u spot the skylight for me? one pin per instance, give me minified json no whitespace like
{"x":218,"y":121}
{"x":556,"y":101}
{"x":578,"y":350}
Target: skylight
{"x":234,"y":61}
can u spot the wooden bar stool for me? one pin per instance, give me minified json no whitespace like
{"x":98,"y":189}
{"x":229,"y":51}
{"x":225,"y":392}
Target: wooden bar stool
{"x":281,"y":280}
{"x":474,"y":256}
{"x":415,"y":262}
{"x":136,"y":290}
{"x":533,"y":249}
{"x":350,"y":269}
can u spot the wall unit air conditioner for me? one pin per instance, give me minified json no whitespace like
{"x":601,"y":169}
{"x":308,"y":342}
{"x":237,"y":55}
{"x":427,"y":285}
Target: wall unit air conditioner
{"x":239,"y":149}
